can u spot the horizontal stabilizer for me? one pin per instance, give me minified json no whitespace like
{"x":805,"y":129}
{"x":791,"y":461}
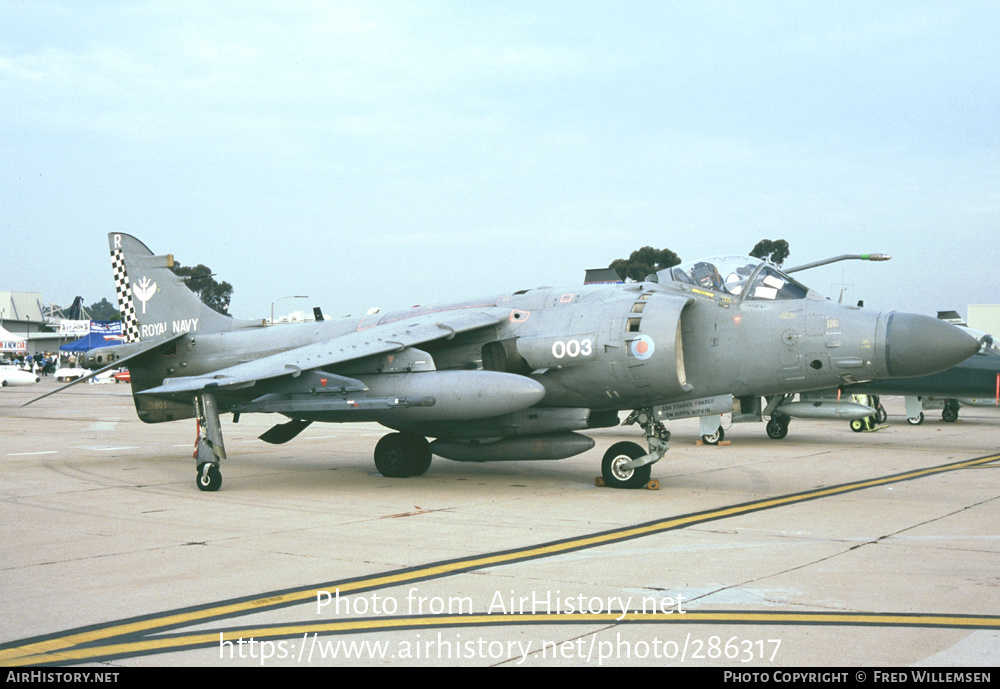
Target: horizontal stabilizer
{"x":136,"y":350}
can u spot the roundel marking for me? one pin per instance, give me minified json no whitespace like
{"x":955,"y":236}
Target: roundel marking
{"x":642,"y":347}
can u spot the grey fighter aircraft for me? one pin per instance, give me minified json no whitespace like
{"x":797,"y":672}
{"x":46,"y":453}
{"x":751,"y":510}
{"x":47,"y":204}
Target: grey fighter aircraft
{"x":509,"y":377}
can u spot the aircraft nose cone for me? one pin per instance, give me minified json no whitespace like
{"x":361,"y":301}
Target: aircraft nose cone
{"x":920,"y":345}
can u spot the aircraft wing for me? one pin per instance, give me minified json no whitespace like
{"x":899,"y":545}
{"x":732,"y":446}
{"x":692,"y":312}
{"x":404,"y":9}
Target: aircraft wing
{"x":381,"y":339}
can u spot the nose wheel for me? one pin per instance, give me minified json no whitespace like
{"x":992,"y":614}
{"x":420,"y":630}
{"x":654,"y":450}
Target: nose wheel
{"x":627,"y":464}
{"x":615,"y":467}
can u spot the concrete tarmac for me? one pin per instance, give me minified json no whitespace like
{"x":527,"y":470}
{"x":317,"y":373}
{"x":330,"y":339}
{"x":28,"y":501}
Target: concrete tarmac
{"x":828,"y":548}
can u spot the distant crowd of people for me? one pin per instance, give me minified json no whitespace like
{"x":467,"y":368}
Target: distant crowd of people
{"x":39,"y":364}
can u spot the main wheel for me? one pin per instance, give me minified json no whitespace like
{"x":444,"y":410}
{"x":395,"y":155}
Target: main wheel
{"x":401,"y":455}
{"x":715,"y":438}
{"x":390,"y":456}
{"x":615,"y":475}
{"x":950,"y":414}
{"x":209,"y":478}
{"x":776,"y":429}
{"x":419,"y":456}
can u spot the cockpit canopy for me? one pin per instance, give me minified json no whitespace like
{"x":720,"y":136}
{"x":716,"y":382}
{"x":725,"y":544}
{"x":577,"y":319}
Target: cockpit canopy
{"x":738,"y":276}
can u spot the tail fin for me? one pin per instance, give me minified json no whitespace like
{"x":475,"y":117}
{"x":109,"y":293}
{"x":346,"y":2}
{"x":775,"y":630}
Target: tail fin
{"x":153,"y":301}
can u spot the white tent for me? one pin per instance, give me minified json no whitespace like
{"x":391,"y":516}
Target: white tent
{"x":9,"y":342}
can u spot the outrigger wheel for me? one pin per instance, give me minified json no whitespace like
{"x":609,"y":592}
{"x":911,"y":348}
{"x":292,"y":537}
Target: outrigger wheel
{"x":209,"y":477}
{"x":613,"y":471}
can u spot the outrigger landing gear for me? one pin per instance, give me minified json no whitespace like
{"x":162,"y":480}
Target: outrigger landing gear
{"x":209,"y":451}
{"x":626,"y":464}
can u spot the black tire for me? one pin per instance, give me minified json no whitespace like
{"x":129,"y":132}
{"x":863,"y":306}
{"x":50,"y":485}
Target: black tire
{"x":616,"y":477}
{"x":858,"y":425}
{"x":209,"y":478}
{"x":950,"y":414}
{"x":715,"y":438}
{"x":915,"y":421}
{"x":776,"y":430}
{"x":401,"y":455}
{"x":419,"y":456}
{"x":390,"y":456}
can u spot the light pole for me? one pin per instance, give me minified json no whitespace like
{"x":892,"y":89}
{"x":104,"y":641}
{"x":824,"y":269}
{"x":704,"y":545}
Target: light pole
{"x":294,"y":296}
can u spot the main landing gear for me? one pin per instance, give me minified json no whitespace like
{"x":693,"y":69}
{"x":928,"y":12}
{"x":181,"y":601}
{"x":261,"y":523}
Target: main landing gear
{"x":626,"y":464}
{"x":209,"y":450}
{"x":401,"y":455}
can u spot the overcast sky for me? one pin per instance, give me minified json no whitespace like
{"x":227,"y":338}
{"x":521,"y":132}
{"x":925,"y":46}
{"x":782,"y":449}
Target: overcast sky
{"x":394,"y":153}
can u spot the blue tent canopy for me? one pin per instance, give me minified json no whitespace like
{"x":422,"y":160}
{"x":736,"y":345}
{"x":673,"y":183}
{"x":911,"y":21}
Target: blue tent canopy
{"x":101,"y":335}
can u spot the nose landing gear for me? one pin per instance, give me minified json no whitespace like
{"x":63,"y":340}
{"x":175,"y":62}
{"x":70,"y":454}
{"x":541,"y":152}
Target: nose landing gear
{"x":626,"y":464}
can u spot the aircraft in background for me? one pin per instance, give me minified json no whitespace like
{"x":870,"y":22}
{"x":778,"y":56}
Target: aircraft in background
{"x":13,"y":376}
{"x":780,"y":409}
{"x":509,"y":377}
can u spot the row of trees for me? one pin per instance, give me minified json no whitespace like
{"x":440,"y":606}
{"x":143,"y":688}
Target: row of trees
{"x":200,"y":280}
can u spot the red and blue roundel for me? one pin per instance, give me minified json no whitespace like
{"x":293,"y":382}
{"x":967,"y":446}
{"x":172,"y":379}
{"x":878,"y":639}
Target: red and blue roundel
{"x":642,"y":347}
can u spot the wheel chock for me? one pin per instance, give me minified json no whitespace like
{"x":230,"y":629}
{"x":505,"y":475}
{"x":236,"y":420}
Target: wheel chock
{"x":652,"y":484}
